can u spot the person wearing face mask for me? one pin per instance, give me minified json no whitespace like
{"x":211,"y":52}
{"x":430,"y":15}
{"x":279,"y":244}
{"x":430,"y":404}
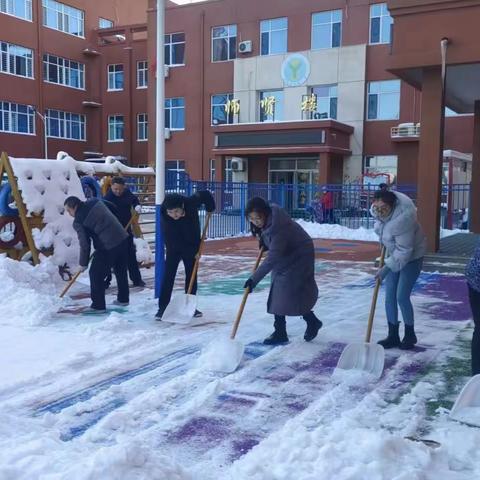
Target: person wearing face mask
{"x":181,"y":230}
{"x":405,"y":243}
{"x":291,"y":261}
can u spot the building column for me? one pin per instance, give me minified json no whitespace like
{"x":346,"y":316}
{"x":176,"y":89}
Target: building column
{"x":430,"y":156}
{"x":325,"y":168}
{"x":407,"y":163}
{"x":474,"y":202}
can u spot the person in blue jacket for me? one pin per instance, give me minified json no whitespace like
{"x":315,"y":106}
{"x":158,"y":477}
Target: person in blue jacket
{"x":472,"y":274}
{"x":125,"y":201}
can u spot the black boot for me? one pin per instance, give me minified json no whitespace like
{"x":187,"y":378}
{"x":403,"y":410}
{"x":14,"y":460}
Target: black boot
{"x":393,"y":340}
{"x":410,"y":339}
{"x":313,"y":326}
{"x":280,"y":333}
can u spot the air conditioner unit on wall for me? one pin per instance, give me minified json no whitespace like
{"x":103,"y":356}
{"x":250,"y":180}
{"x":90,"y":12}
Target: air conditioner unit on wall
{"x":168,"y":134}
{"x":238,"y":165}
{"x":245,"y":46}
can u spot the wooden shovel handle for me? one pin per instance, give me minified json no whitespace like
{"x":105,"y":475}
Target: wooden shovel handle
{"x":244,"y":299}
{"x":199,"y":254}
{"x":74,"y":278}
{"x":374,"y":300}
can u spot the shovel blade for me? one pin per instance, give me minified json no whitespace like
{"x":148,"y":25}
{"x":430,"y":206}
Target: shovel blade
{"x":366,"y":357}
{"x":222,"y":355}
{"x":180,"y":309}
{"x":467,"y":406}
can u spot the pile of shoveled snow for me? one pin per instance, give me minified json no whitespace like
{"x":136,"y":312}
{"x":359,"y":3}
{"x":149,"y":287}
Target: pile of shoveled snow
{"x":29,"y":294}
{"x":325,"y":230}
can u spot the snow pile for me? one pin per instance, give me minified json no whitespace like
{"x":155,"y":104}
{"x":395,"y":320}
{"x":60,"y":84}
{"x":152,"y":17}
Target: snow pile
{"x":29,"y":295}
{"x":444,"y":232}
{"x":144,"y":254}
{"x":324,"y":230}
{"x":45,"y":184}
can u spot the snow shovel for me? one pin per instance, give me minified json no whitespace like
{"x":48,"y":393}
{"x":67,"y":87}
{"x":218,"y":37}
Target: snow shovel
{"x":467,"y":406}
{"x":225,"y":354}
{"x":74,"y":278}
{"x":368,"y":357}
{"x":182,"y":307}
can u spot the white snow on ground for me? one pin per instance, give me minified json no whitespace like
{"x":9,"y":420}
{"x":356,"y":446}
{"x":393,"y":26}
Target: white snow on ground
{"x":324,"y":230}
{"x":139,"y":427}
{"x":444,"y":232}
{"x":143,"y":252}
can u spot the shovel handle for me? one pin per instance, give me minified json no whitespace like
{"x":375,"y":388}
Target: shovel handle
{"x":244,"y":299}
{"x":374,"y":301}
{"x":74,"y":278}
{"x":199,"y":254}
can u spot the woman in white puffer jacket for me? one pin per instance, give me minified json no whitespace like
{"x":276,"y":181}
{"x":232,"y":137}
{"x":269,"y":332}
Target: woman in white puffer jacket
{"x":405,"y":243}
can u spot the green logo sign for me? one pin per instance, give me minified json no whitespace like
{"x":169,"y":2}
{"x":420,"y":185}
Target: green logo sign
{"x":295,"y":70}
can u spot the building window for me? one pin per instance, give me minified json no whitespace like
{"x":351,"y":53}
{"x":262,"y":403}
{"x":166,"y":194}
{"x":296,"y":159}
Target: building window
{"x":104,"y":23}
{"x":63,"y":71}
{"x":142,"y":74}
{"x":16,"y":118}
{"x":381,"y":164}
{"x":212,"y":169}
{"x":175,"y":113}
{"x":327,"y":99}
{"x":271,"y":106}
{"x":228,"y":171}
{"x":384,"y":100}
{"x":70,"y":126}
{"x":327,"y":29}
{"x":17,"y":8}
{"x":175,"y":49}
{"x":175,"y":173}
{"x":224,"y":43}
{"x":116,"y":126}
{"x":273,"y":36}
{"x":380,"y":23}
{"x":64,"y":18}
{"x":16,"y":60}
{"x":219,"y":114}
{"x":142,"y":127}
{"x":115,"y":77}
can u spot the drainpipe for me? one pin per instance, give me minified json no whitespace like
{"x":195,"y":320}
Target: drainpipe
{"x":443,"y":51}
{"x":202,"y":106}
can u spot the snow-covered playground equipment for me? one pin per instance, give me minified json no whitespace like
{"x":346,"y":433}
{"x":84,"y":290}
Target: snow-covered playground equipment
{"x":32,"y":194}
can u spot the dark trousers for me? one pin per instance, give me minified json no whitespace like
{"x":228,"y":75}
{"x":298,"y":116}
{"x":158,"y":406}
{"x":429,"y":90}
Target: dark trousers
{"x":102,"y":263}
{"x":171,"y":265}
{"x":474,"y":298}
{"x":132,"y":265}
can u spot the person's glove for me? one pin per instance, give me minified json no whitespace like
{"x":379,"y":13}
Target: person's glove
{"x":249,"y":285}
{"x":81,"y":269}
{"x":138,"y":209}
{"x":382,"y":273}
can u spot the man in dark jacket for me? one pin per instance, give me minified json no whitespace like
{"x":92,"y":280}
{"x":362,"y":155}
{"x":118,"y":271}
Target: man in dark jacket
{"x":181,"y":230}
{"x":121,"y":196}
{"x":94,"y":222}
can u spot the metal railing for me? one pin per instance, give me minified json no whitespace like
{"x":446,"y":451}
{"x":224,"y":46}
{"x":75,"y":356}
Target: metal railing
{"x":410,"y":130}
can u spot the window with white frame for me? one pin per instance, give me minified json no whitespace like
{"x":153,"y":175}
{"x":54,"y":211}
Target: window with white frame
{"x":224,"y":43}
{"x":219,"y":114}
{"x":212,"y":169}
{"x":142,"y":127}
{"x":116,"y":128}
{"x":63,"y":17}
{"x":104,"y":23}
{"x":228,"y":170}
{"x":175,"y":49}
{"x":384,"y":100}
{"x":327,"y":29}
{"x":17,"y":118}
{"x":63,"y":71}
{"x":175,"y":113}
{"x":273,"y":36}
{"x":375,"y":164}
{"x":16,"y":60}
{"x":327,"y":99}
{"x":142,"y":74}
{"x":17,"y":8}
{"x":115,"y":77}
{"x":380,"y":23}
{"x":175,"y":172}
{"x":70,"y":126}
{"x":271,"y":105}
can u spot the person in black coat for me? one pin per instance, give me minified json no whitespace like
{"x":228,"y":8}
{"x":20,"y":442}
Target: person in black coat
{"x":121,"y":196}
{"x":181,"y":230}
{"x":95,"y":222}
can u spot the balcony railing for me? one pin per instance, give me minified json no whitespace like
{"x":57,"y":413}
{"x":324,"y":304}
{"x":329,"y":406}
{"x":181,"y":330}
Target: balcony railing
{"x":406,"y":130}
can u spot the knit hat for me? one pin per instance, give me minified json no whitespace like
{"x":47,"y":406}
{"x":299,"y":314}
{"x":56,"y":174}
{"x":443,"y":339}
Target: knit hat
{"x":173,"y":200}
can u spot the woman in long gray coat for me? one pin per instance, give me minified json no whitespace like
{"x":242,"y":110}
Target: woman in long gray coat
{"x":291,"y":260}
{"x":401,"y":235}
